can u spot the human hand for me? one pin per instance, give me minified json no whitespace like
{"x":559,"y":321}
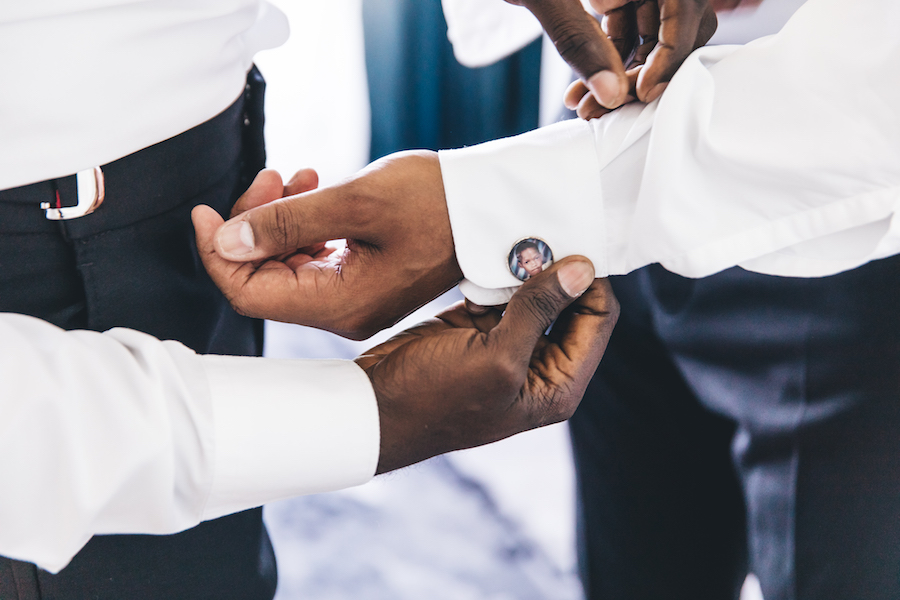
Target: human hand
{"x":466,"y":379}
{"x":652,"y":38}
{"x":581,"y":42}
{"x":265,"y":188}
{"x":272,"y":262}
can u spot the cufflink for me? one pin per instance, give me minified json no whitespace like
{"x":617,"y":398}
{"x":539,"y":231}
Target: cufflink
{"x":529,"y":257}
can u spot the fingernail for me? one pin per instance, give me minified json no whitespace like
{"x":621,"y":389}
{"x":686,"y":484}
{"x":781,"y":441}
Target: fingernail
{"x":236,"y":238}
{"x":657,"y":91}
{"x":575,"y":277}
{"x":607,"y":88}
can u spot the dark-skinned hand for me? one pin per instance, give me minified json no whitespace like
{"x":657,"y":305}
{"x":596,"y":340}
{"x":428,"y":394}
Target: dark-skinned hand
{"x":644,"y":43}
{"x":271,"y":261}
{"x":464,"y":379}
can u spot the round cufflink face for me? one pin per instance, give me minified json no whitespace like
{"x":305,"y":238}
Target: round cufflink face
{"x":529,"y":257}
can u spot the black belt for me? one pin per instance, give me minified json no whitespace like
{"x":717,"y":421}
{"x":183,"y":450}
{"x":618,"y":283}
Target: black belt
{"x":138,"y":186}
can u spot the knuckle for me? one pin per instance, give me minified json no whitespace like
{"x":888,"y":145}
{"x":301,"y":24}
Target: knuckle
{"x":604,"y":6}
{"x":614,"y":309}
{"x":283,"y":225}
{"x":571,"y":43}
{"x":559,"y":406}
{"x":707,"y":29}
{"x":239,"y":309}
{"x":355,"y":324}
{"x":580,"y":47}
{"x":543,"y":305}
{"x":361,"y":330}
{"x":565,"y":410}
{"x":361,"y":206}
{"x":601,"y":305}
{"x":239,"y":304}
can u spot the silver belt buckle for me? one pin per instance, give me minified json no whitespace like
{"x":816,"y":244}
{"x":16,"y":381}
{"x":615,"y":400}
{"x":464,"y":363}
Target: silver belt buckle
{"x":91,"y":192}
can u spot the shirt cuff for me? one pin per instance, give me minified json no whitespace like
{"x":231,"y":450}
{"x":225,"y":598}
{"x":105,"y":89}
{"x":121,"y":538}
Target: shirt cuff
{"x":552,"y":184}
{"x":286,"y":428}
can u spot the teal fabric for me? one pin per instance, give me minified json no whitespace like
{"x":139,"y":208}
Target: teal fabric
{"x":421,"y":97}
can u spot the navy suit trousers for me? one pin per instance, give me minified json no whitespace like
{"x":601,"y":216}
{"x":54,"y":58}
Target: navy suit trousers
{"x":133,"y":263}
{"x":744,"y":422}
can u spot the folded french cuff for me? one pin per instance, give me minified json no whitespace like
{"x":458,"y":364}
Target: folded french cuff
{"x":287,"y":428}
{"x":544,"y":184}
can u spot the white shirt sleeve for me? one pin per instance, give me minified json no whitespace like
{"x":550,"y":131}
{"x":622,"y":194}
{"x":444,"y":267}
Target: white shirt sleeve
{"x":781,"y":156}
{"x":485,"y":31}
{"x":121,"y":433}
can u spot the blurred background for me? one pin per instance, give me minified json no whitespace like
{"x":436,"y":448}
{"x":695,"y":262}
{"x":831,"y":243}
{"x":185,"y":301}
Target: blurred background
{"x":489,"y":523}
{"x":359,"y":79}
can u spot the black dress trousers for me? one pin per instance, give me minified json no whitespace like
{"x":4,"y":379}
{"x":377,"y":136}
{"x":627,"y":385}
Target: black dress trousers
{"x":744,"y":422}
{"x":133,"y":263}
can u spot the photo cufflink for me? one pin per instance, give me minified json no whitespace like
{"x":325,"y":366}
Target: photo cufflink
{"x":529,"y":257}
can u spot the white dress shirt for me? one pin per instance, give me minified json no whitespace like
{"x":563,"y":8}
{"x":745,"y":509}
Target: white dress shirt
{"x":86,"y":82}
{"x":485,"y":31}
{"x":121,"y":433}
{"x":781,"y":156}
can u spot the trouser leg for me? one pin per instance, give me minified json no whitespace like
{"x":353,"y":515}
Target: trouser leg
{"x":660,"y":511}
{"x":134,"y":264}
{"x":810,"y":370}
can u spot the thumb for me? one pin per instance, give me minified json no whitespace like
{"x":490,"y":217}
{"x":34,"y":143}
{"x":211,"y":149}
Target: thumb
{"x":582,"y":43}
{"x":206,"y":221}
{"x":283,"y":226}
{"x":539,"y":301}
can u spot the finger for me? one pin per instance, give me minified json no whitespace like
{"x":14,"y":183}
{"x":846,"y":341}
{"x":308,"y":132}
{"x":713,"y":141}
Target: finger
{"x":206,"y":221}
{"x":476,"y":309}
{"x":580,"y":336}
{"x":708,"y":25}
{"x":223,"y":273}
{"x":430,"y":327}
{"x":604,"y":6}
{"x":285,"y":225}
{"x":588,"y":108}
{"x":725,"y":5}
{"x":461,"y":315}
{"x":574,"y":93}
{"x":620,"y":25}
{"x":367,"y":208}
{"x":584,"y":45}
{"x":268,"y":290}
{"x":303,"y":180}
{"x":538,"y":302}
{"x":679,"y":24}
{"x":650,"y":22}
{"x":647,"y":23}
{"x":266,"y":187}
{"x":457,"y":316}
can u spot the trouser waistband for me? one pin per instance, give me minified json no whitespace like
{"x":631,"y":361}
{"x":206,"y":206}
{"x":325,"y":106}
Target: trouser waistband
{"x":148,"y":182}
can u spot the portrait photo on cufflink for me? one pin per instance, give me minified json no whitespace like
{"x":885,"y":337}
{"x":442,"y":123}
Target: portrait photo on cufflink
{"x":529,"y":257}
